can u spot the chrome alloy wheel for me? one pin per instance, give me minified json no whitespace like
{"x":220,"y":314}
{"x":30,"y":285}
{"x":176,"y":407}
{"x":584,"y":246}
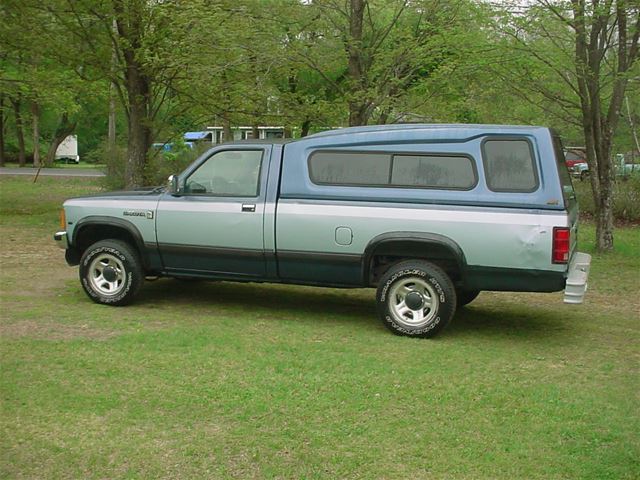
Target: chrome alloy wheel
{"x":413,"y":302}
{"x":107,"y":274}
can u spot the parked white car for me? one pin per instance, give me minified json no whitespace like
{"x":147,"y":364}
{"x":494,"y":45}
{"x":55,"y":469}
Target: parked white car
{"x":68,"y":150}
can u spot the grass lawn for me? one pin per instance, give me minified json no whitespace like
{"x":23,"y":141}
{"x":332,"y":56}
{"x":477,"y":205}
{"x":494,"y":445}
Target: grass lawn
{"x":75,"y":166}
{"x":223,"y":380}
{"x":81,"y":165}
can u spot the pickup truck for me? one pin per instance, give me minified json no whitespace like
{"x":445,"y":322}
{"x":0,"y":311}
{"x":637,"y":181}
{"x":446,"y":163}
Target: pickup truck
{"x":624,"y":168}
{"x":430,"y":215}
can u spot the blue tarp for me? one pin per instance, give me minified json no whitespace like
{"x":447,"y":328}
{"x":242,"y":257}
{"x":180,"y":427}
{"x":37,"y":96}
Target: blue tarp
{"x":193,"y":136}
{"x":167,"y":147}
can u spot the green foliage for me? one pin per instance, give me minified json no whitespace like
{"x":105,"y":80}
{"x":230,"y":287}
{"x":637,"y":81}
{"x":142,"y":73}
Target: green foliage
{"x":437,"y":63}
{"x":626,"y":198}
{"x":162,"y":163}
{"x":115,"y":160}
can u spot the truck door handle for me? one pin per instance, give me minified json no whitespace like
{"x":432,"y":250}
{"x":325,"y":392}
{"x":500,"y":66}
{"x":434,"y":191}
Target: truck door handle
{"x":246,"y":207}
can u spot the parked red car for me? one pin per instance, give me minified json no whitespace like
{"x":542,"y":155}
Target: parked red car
{"x":576,"y":160}
{"x":573,"y":155}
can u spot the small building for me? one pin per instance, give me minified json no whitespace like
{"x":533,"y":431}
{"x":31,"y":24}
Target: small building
{"x":245,"y":133}
{"x":199,"y":137}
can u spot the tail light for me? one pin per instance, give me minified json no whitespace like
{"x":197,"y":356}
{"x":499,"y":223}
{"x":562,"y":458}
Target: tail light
{"x":63,"y":220}
{"x":561,"y":245}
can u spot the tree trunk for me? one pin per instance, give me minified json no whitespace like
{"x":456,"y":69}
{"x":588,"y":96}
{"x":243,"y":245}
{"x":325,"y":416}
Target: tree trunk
{"x":130,"y":25}
{"x":304,"y":130}
{"x":19,"y":130}
{"x":140,"y":137}
{"x":1,"y":130}
{"x":65,"y":128}
{"x":227,"y":134}
{"x":139,"y":133}
{"x":604,"y":214}
{"x":602,"y":177}
{"x":358,"y":115}
{"x":35,"y":116}
{"x":357,"y":104}
{"x":384,"y":117}
{"x":255,"y":131}
{"x":111,"y":127}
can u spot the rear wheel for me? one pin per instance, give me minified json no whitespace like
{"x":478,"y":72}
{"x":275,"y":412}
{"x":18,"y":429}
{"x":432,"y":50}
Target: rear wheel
{"x":416,"y":299}
{"x":111,"y":272}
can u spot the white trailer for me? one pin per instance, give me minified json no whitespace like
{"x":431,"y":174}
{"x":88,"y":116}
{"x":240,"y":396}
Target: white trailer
{"x":68,"y":150}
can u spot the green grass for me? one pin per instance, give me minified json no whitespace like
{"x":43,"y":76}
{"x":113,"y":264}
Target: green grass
{"x":80,"y":166}
{"x":223,"y":380}
{"x":38,"y":204}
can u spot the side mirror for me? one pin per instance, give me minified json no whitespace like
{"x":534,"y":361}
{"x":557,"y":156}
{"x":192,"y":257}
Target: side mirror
{"x":173,"y":185}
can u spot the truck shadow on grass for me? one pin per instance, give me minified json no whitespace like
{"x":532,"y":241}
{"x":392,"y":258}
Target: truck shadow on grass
{"x":281,"y":301}
{"x":484,"y":317}
{"x":519,"y":324}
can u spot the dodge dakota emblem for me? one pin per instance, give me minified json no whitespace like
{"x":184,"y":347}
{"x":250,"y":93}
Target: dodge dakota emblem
{"x":137,"y":213}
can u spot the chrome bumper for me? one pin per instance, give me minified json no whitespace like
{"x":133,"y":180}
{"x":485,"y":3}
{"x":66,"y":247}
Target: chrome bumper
{"x":61,"y":240}
{"x":578,"y":274}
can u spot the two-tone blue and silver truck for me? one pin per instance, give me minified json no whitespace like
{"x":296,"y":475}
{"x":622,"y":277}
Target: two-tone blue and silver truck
{"x":430,"y":215}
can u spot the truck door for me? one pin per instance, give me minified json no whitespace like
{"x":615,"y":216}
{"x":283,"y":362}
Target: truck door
{"x":214,"y":226}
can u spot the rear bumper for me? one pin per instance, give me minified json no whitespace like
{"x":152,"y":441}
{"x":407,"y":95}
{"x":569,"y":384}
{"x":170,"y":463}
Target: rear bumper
{"x":578,"y":274}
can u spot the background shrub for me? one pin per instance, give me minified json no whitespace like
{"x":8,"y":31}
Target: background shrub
{"x":160,"y":164}
{"x":114,"y":163}
{"x":626,"y":198}
{"x":163,"y":163}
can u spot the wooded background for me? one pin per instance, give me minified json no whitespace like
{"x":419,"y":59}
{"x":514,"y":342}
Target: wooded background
{"x":123,"y":74}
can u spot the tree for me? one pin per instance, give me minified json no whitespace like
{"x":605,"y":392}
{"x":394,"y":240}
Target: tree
{"x":124,"y":43}
{"x":385,"y":50}
{"x":589,"y":50}
{"x":2,"y":124}
{"x":33,"y":77}
{"x":16,"y":101}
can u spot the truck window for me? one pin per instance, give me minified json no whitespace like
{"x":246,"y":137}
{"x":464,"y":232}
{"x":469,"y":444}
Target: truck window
{"x":509,"y":165}
{"x":433,"y":171}
{"x":369,"y":169}
{"x":230,"y":173}
{"x":350,"y":168}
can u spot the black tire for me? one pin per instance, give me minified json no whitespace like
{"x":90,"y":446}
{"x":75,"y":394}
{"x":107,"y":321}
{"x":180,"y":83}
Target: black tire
{"x":465,"y":297}
{"x":111,"y":272}
{"x":431,"y":285}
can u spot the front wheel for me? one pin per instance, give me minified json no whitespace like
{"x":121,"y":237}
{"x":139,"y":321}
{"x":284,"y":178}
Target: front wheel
{"x":111,"y":272}
{"x":416,"y":299}
{"x":466,"y":296}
